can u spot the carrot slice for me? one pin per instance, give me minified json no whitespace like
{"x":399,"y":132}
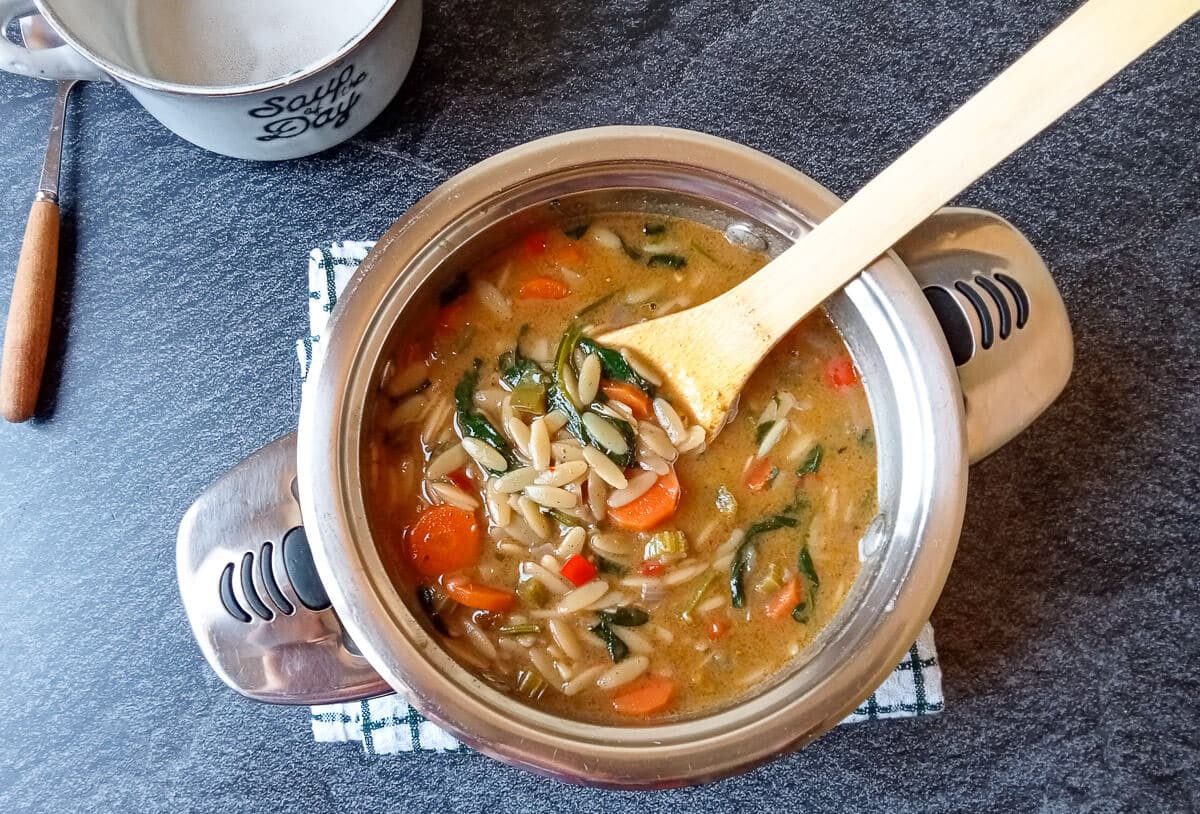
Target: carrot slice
{"x":543,"y":288}
{"x":443,"y":539}
{"x":784,"y":600}
{"x":478,"y":596}
{"x":645,"y":696}
{"x":569,"y":254}
{"x":630,"y":395}
{"x":652,"y":509}
{"x":758,"y":476}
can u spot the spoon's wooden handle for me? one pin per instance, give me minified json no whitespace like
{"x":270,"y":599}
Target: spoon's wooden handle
{"x":29,"y":314}
{"x":709,"y":351}
{"x":1079,"y":56}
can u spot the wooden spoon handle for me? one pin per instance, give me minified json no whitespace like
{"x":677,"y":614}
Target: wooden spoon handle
{"x":29,"y":314}
{"x":1086,"y":50}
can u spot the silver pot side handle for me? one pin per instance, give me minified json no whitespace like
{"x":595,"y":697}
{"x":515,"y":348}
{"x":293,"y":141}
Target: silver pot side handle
{"x":1003,"y":317}
{"x":252,"y":593}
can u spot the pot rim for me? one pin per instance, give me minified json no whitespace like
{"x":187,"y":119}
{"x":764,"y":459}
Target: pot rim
{"x":693,"y":750}
{"x":46,"y":9}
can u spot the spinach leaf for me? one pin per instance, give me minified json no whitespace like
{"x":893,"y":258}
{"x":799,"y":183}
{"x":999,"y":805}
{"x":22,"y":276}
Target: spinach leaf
{"x":630,"y":252}
{"x":626,"y":458}
{"x":617,"y":649}
{"x":563,"y":518}
{"x":615,"y":366}
{"x":741,"y":558}
{"x":457,"y":287}
{"x":799,"y":506}
{"x":516,"y":368}
{"x":812,"y":462}
{"x":594,"y":304}
{"x":566,"y":348}
{"x":627,"y":616}
{"x":607,"y":566}
{"x":654,"y":228}
{"x":675,"y":261}
{"x":557,"y":399}
{"x":760,"y":432}
{"x":426,"y":599}
{"x":808,"y":573}
{"x":577,"y":231}
{"x":472,"y":422}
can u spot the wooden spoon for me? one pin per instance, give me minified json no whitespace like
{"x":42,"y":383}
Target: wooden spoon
{"x":708,"y":352}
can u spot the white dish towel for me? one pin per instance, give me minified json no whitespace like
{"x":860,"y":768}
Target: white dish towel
{"x":388,"y":725}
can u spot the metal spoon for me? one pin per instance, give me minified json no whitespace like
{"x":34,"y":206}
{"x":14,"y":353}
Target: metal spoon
{"x":30,"y":310}
{"x":709,"y":351}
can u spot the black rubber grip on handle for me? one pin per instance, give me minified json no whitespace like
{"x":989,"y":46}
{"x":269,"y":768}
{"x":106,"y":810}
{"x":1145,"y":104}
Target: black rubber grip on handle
{"x":302,"y":571}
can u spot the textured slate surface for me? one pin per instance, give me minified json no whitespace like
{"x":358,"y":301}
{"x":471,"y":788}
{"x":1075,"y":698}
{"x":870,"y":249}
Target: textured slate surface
{"x":1068,"y":625}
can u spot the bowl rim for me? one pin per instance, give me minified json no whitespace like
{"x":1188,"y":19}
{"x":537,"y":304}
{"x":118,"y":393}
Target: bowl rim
{"x":644,"y":757}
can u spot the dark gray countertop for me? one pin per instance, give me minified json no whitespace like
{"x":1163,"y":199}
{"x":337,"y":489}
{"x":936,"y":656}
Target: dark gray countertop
{"x":1067,"y":630}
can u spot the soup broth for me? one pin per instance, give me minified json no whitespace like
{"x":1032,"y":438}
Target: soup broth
{"x":570,"y":537}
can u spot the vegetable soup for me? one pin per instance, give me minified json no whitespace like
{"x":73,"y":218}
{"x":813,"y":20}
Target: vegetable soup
{"x":568,"y":535}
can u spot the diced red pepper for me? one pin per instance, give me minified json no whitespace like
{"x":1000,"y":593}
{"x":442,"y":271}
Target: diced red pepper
{"x":410,"y":353}
{"x":840,"y":372}
{"x":651,"y":568}
{"x":717,"y":628}
{"x":461,"y":479}
{"x":451,"y":317}
{"x":758,"y":476}
{"x":534,"y":244}
{"x":578,"y":570}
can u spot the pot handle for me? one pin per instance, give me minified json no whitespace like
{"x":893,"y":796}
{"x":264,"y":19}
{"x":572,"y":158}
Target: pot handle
{"x":60,"y":62}
{"x":1002,"y":315}
{"x":252,"y":593}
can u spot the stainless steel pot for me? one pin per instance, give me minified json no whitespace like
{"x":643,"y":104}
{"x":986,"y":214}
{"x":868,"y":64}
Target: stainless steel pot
{"x":956,"y":360}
